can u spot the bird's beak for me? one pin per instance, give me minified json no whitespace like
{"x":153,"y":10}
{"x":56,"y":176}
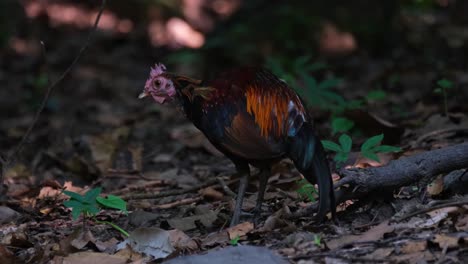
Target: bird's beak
{"x":143,"y":95}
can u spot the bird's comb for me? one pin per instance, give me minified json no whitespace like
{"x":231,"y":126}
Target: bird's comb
{"x":158,"y":69}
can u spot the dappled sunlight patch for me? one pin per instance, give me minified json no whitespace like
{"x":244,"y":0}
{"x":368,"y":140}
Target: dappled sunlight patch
{"x":61,"y":14}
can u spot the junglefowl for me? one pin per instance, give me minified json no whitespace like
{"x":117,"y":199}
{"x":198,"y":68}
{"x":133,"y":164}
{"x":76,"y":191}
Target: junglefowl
{"x":254,"y":118}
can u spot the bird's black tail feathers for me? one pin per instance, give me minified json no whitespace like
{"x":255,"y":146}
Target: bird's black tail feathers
{"x":308,"y":155}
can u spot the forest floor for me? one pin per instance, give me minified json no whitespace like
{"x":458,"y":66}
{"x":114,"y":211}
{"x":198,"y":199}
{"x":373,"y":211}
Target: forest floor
{"x":94,"y":132}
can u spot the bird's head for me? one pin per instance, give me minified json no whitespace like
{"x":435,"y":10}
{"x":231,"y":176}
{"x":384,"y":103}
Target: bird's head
{"x":159,"y":85}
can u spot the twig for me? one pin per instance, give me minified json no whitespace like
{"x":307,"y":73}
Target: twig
{"x":13,"y":155}
{"x":170,"y":193}
{"x":434,"y":207}
{"x":439,"y":132}
{"x":226,"y":188}
{"x":211,"y":182}
{"x":179,"y":202}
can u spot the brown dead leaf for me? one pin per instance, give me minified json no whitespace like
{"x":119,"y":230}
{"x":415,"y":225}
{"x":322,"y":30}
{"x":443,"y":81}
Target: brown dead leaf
{"x":414,"y":246}
{"x":417,"y":257}
{"x":380,"y":253}
{"x":90,"y":257}
{"x":436,"y":186}
{"x":240,"y":230}
{"x":446,"y":241}
{"x":215,"y":239}
{"x":204,"y":215}
{"x":107,"y":246}
{"x":82,"y":240}
{"x":6,"y":256}
{"x":180,"y":241}
{"x":462,"y":223}
{"x":211,"y":193}
{"x":373,"y":234}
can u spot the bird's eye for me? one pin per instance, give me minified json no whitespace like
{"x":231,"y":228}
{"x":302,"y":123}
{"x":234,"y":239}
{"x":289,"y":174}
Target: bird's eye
{"x":157,"y":83}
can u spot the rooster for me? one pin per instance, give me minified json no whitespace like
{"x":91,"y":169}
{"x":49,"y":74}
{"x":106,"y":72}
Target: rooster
{"x":254,"y":118}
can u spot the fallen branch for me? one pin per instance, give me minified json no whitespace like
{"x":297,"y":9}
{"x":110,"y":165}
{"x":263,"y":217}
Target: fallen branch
{"x":433,"y":207}
{"x":357,"y":183}
{"x":405,"y":171}
{"x":6,"y":162}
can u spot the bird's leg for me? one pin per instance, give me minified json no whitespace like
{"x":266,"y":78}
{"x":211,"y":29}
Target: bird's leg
{"x":262,"y":183}
{"x":244,"y":178}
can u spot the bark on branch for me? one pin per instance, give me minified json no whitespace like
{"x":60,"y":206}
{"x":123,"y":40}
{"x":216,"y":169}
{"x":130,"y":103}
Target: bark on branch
{"x":405,"y":171}
{"x":358,"y":183}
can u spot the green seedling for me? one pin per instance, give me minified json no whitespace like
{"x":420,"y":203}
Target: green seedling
{"x":371,"y":147}
{"x":234,"y":241}
{"x":443,"y":86}
{"x":342,"y":149}
{"x":307,"y":190}
{"x":341,"y":125}
{"x":89,"y":205}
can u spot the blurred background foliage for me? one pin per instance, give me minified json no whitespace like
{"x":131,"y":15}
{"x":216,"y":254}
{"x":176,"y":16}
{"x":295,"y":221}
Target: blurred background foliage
{"x":332,"y":40}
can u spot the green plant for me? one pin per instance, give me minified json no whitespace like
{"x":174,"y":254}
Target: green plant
{"x":234,"y":241}
{"x":90,"y":203}
{"x":369,"y":149}
{"x":314,"y":92}
{"x":317,"y":240}
{"x":342,"y":150}
{"x":341,"y":124}
{"x":443,"y":86}
{"x":376,"y":95}
{"x":306,"y":190}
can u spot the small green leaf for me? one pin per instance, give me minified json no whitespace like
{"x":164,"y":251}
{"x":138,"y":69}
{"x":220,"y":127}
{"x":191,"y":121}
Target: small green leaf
{"x":372,"y":142}
{"x":437,"y":90}
{"x":73,"y":203}
{"x":329,"y":83}
{"x":387,"y":148}
{"x":92,"y":194}
{"x":346,"y":143}
{"x":370,"y":155}
{"x":341,"y":124}
{"x":327,"y":144}
{"x":76,"y":213}
{"x":341,"y":157}
{"x":317,"y":66}
{"x":74,"y":195}
{"x":376,"y":95}
{"x":234,"y":241}
{"x":445,"y":84}
{"x":112,"y":201}
{"x":317,"y":240}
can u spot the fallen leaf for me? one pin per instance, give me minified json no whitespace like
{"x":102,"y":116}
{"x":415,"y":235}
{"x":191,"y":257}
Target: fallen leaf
{"x":211,"y":193}
{"x":205,"y":216}
{"x":181,"y":241}
{"x":414,"y":246}
{"x":373,"y":234}
{"x":215,"y":239}
{"x":240,"y":230}
{"x":6,"y":256}
{"x":380,"y":253}
{"x":90,"y":257}
{"x":462,"y":223}
{"x":154,"y":242}
{"x":436,"y":186}
{"x":446,"y":241}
